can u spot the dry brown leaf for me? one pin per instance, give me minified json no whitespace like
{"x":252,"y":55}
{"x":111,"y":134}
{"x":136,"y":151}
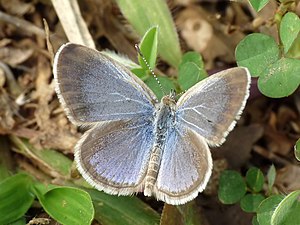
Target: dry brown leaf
{"x":288,"y":178}
{"x":17,"y":7}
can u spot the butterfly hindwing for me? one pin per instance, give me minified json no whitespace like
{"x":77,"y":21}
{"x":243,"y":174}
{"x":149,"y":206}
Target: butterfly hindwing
{"x":113,"y":156}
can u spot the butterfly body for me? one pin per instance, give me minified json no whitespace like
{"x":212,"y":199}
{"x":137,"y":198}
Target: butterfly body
{"x":136,"y":144}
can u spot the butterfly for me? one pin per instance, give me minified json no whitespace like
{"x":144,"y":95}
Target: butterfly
{"x":135,"y":143}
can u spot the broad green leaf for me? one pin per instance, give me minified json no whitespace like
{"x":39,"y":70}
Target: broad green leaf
{"x":232,"y":187}
{"x":258,"y":4}
{"x":69,"y":206}
{"x":121,"y":210}
{"x":250,"y":202}
{"x":281,"y":79}
{"x":165,"y":82}
{"x":289,"y":30}
{"x":266,"y":208}
{"x":255,"y":179}
{"x":51,"y":159}
{"x":297,"y":150}
{"x":271,"y":175}
{"x":145,"y":14}
{"x":191,"y":70}
{"x":287,"y":211}
{"x":15,"y":197}
{"x":148,"y":47}
{"x":187,"y":214}
{"x":257,"y":52}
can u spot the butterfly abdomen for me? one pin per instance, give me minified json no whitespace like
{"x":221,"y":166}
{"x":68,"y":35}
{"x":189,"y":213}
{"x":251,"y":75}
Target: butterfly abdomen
{"x":164,"y":122}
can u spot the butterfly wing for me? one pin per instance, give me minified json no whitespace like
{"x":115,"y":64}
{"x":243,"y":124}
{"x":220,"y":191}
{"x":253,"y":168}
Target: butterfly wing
{"x":116,"y":155}
{"x":211,"y":107}
{"x":92,"y":87}
{"x":185,"y":167}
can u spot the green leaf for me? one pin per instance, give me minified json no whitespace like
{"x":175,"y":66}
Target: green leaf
{"x":281,"y":79}
{"x":297,"y":150}
{"x":266,"y":208}
{"x":250,"y":202}
{"x":187,"y":214}
{"x":15,"y":197}
{"x":191,"y":70}
{"x":20,"y":221}
{"x":255,"y":221}
{"x":232,"y":187}
{"x":146,"y":14}
{"x":258,"y":4}
{"x":287,"y":211}
{"x":255,"y":179}
{"x":166,"y":83}
{"x":67,"y":205}
{"x":257,"y":52}
{"x":121,"y":210}
{"x":140,"y":72}
{"x":289,"y":30}
{"x":271,"y":175}
{"x":148,"y":47}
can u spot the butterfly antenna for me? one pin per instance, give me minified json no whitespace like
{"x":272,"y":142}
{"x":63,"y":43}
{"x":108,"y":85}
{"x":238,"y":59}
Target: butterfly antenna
{"x":149,"y":68}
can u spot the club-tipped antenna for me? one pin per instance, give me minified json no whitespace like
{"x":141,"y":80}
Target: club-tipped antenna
{"x":149,"y":68}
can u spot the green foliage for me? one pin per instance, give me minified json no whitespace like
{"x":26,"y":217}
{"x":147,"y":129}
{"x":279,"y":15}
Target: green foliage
{"x":15,"y":197}
{"x":250,"y":202}
{"x":258,"y":4}
{"x":297,"y":150}
{"x":287,"y":211}
{"x":148,"y":47}
{"x":145,"y":14}
{"x":278,"y":76}
{"x":191,"y":70}
{"x":255,"y":179}
{"x":271,"y":175}
{"x":289,"y":30}
{"x":266,"y":209}
{"x":232,"y":187}
{"x":64,"y":204}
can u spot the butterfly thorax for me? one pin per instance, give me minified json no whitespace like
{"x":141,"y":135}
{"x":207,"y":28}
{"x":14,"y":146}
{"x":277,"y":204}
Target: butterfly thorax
{"x":165,"y":119}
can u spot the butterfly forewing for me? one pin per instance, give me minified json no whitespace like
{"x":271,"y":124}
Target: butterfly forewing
{"x":211,"y":107}
{"x":114,"y":156}
{"x":95,"y":88}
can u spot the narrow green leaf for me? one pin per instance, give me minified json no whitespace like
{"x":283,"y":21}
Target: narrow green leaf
{"x":20,"y":221}
{"x":121,"y":210}
{"x":297,"y":150}
{"x":140,"y":72}
{"x":148,"y":47}
{"x":255,"y":179}
{"x":15,"y":197}
{"x":281,"y":79}
{"x":258,"y":4}
{"x":289,"y":30}
{"x":146,"y":14}
{"x":67,"y":205}
{"x":232,"y":187}
{"x":271,"y":175}
{"x":166,"y":83}
{"x":191,"y":70}
{"x":250,"y":202}
{"x":266,"y":209}
{"x":287,"y":211}
{"x":257,"y":52}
